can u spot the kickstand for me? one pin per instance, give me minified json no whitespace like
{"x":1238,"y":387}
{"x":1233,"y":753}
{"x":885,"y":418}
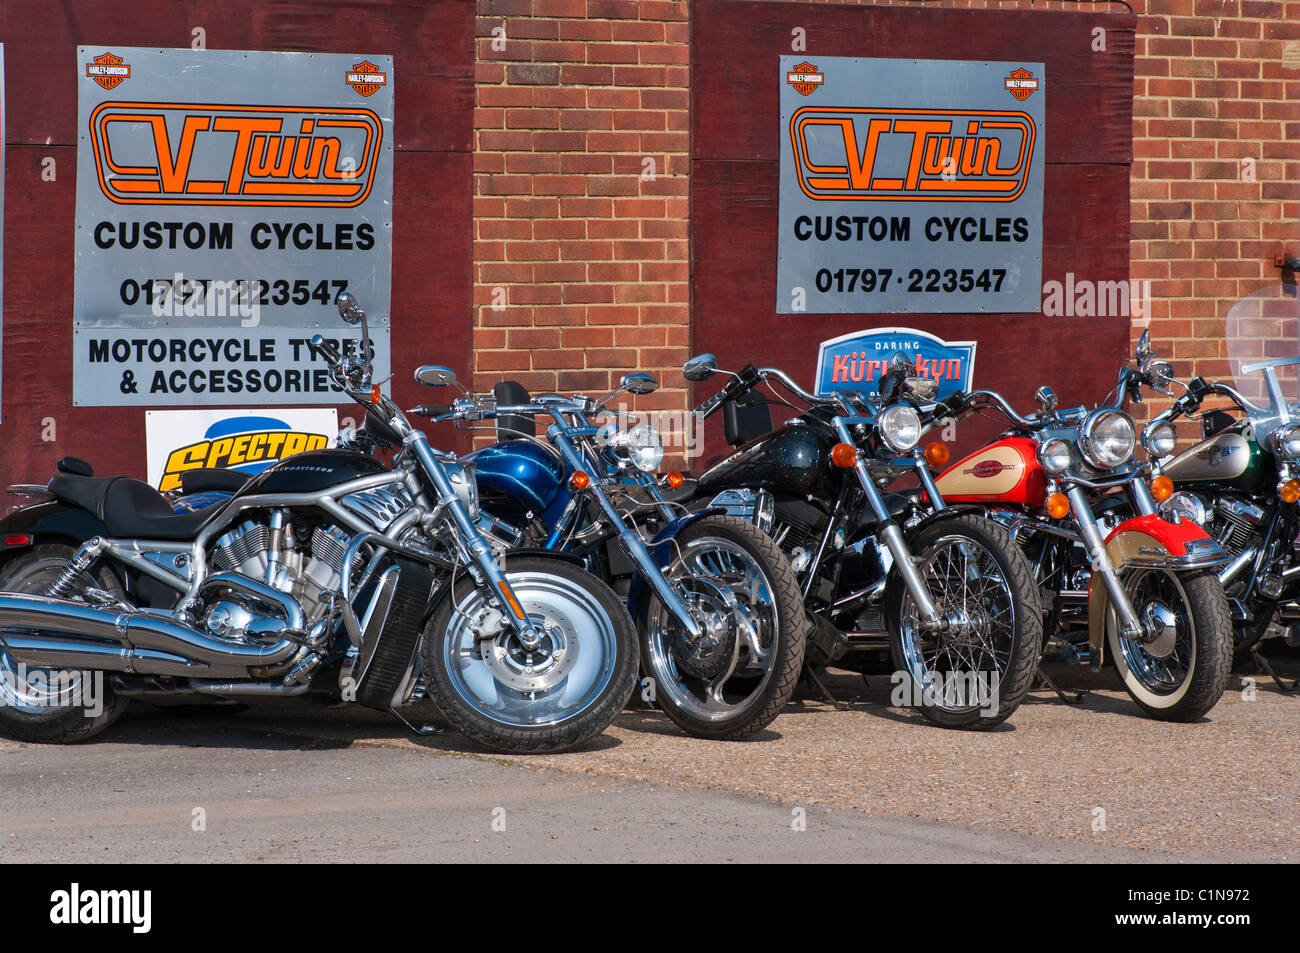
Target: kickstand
{"x":1263,"y":668}
{"x":1045,"y":680}
{"x":422,"y":731}
{"x":826,"y":692}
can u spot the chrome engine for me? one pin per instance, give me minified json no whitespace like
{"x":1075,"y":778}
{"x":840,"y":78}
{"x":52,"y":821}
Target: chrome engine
{"x":308,"y":574}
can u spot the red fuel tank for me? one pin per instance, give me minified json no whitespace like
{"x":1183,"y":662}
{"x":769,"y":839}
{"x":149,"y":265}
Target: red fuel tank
{"x":1004,"y":472}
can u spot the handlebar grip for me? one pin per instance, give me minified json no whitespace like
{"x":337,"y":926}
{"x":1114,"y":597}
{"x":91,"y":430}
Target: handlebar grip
{"x":431,"y":410}
{"x":320,"y":346}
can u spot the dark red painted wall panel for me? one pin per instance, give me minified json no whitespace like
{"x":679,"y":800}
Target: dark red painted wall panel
{"x":734,"y":186}
{"x":432,"y":44}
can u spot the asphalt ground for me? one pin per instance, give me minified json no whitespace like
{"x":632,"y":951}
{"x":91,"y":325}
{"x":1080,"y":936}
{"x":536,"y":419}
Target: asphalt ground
{"x":853,"y":780}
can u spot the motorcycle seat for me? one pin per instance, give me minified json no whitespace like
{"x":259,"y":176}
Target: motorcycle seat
{"x":128,"y":508}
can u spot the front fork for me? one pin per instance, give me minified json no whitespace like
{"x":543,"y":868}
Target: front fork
{"x":628,"y":537}
{"x":530,"y":637}
{"x":1102,"y":566}
{"x":893,"y":535}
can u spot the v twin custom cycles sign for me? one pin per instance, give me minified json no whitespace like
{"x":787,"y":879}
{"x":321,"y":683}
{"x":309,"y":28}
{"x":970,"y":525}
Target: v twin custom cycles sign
{"x":224,"y":198}
{"x":910,"y":186}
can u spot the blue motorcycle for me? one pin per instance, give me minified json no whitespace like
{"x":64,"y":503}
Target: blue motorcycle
{"x":719,"y":611}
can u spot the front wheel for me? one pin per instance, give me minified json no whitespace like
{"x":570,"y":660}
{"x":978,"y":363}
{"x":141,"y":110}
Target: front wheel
{"x":556,"y":696}
{"x":1178,"y":672}
{"x":974,"y":668}
{"x":733,"y":679}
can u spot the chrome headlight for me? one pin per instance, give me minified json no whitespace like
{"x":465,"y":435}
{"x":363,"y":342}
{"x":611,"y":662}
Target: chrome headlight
{"x":1055,"y":455}
{"x":465,"y":482}
{"x":1286,"y":440}
{"x":640,"y":446}
{"x":900,"y":426}
{"x":1107,"y":438}
{"x":1160,"y":440}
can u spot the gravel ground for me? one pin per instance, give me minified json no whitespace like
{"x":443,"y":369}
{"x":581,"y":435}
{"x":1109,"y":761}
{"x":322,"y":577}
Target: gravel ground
{"x":1227,"y":786}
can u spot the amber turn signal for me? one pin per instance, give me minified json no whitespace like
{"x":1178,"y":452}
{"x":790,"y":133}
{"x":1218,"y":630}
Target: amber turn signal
{"x":1289,"y":491}
{"x":1058,"y":505}
{"x":1162,"y":488}
{"x":675,"y":479}
{"x":937,"y":454}
{"x":844,"y":455}
{"x":579,"y":480}
{"x":375,"y":394}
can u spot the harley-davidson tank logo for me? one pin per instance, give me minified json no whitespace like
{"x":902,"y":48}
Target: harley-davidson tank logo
{"x":108,"y":70}
{"x":1021,"y":84}
{"x":988,"y":468}
{"x":1215,"y":455}
{"x":366,"y":78}
{"x":805,"y":79}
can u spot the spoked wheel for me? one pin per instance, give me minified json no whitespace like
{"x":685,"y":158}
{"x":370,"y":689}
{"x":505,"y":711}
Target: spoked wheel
{"x":50,"y":705}
{"x":974,"y":670}
{"x":551,"y":697}
{"x":737,"y":675}
{"x":1177,"y":672}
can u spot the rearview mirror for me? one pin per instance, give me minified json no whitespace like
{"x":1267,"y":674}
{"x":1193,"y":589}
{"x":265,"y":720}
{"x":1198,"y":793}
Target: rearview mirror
{"x":1144,"y":346}
{"x":639,"y":383}
{"x":435,"y":375}
{"x":1046,"y":398}
{"x":700,"y":367}
{"x":921,"y":388}
{"x":349,"y":310}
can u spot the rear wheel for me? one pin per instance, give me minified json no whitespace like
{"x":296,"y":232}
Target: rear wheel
{"x":1180,"y":673}
{"x":557,"y":695}
{"x":51,"y":705}
{"x":975,"y":669}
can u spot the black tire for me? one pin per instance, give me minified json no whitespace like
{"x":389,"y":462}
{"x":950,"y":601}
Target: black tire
{"x":757,"y":700}
{"x":529,"y":575}
{"x":1205,"y":652}
{"x":1022,"y":635}
{"x":32,"y":572}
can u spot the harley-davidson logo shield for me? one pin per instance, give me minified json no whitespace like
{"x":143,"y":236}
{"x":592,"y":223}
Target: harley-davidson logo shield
{"x":988,"y":468}
{"x":805,"y":78}
{"x":108,"y":70}
{"x":1021,"y":84}
{"x":366,"y":77}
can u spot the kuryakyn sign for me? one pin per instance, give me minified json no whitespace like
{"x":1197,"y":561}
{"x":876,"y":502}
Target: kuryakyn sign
{"x":856,"y":361}
{"x":223,"y":199}
{"x":910,"y":185}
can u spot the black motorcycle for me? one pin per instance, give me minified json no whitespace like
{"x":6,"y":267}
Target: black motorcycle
{"x":328,"y":574}
{"x":944,"y":589}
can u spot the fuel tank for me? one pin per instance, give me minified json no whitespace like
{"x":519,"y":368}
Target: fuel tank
{"x":795,"y":459}
{"x":1226,"y":460}
{"x":528,"y":475}
{"x":1004,"y":472}
{"x":312,"y":472}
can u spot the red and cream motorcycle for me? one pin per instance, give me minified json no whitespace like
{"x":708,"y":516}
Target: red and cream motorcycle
{"x":1115,"y":577}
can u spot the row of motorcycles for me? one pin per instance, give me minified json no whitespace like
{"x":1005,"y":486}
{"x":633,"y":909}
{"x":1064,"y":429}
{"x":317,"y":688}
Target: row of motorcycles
{"x":531,"y":588}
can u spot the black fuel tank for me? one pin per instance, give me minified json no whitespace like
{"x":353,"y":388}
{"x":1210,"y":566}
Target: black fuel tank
{"x":795,"y":459}
{"x":312,"y":472}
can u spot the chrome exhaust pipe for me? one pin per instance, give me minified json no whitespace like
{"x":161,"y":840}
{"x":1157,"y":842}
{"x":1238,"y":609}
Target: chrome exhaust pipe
{"x":46,"y":632}
{"x":1230,"y":571}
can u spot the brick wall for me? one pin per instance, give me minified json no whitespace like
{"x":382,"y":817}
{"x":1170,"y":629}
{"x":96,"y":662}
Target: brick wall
{"x":580,"y":194}
{"x":584,"y":250}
